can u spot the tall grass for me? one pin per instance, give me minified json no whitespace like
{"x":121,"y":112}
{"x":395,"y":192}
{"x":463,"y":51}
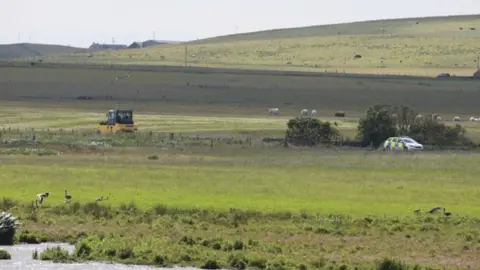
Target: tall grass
{"x":164,"y":235}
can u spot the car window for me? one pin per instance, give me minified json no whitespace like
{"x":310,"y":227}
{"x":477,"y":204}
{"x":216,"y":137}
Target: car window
{"x":394,"y":140}
{"x":408,"y":141}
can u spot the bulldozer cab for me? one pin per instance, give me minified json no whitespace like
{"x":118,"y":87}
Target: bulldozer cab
{"x":119,"y":117}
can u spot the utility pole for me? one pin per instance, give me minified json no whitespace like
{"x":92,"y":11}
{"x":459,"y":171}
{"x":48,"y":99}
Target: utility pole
{"x":186,"y":53}
{"x":113,"y":40}
{"x":153,"y":35}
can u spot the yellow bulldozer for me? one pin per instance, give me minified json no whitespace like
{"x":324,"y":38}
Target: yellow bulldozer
{"x":118,"y":121}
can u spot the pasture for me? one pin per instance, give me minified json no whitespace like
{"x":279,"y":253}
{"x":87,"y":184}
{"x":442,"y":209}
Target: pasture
{"x":233,"y":202}
{"x":236,"y":204}
{"x":418,"y":46}
{"x":313,"y":208}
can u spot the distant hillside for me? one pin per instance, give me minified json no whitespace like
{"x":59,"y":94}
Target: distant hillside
{"x":436,"y":26}
{"x":26,"y":50}
{"x":397,"y":46}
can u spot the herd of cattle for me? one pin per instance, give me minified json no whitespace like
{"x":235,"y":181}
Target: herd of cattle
{"x":304,"y":112}
{"x":455,"y":119}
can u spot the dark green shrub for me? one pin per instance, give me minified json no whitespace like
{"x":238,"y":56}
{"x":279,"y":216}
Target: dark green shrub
{"x":160,"y":260}
{"x":376,"y":126}
{"x":126,"y":253}
{"x":55,"y":254}
{"x":82,"y":249}
{"x":4,"y":255}
{"x":310,"y":131}
{"x":238,"y":245}
{"x":258,"y":263}
{"x":431,"y":132}
{"x":211,"y":264}
{"x":383,"y":121}
{"x":28,"y":238}
{"x":238,"y":261}
{"x":392,"y":264}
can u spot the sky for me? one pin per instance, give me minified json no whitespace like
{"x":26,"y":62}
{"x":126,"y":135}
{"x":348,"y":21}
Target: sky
{"x":81,"y":22}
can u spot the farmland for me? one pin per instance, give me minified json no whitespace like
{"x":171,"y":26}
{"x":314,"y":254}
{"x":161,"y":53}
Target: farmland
{"x":198,"y":185}
{"x":233,"y":200}
{"x":417,"y":46}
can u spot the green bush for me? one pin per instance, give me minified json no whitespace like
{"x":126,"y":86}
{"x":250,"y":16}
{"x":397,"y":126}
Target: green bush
{"x":391,"y":264}
{"x":4,"y":255}
{"x":211,"y":264}
{"x":429,"y":131}
{"x":310,"y":131}
{"x":377,"y":125}
{"x":28,"y":238}
{"x":55,"y":254}
{"x":383,"y":121}
{"x":82,"y":249}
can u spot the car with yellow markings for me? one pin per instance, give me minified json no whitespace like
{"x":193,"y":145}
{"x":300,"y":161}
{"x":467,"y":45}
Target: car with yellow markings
{"x":402,"y":144}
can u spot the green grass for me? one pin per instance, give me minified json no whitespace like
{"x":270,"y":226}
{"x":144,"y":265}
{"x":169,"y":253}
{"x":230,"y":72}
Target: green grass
{"x":192,"y":204}
{"x":433,"y":26}
{"x":344,"y":208}
{"x":432,"y":46}
{"x":350,"y":184}
{"x":174,"y":204}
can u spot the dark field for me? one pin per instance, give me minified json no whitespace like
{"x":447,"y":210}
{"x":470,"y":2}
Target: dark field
{"x":239,"y":93}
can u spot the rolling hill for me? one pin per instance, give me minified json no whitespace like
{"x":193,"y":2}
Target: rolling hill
{"x":27,"y":50}
{"x":427,"y":26}
{"x":414,"y":46}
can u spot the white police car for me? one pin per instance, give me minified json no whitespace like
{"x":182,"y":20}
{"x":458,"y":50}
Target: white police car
{"x":402,"y":143}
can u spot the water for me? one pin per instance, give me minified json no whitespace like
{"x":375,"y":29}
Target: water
{"x":22,"y":260}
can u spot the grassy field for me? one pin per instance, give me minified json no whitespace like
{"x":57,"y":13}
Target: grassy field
{"x":422,"y":46}
{"x":233,"y":204}
{"x":345,"y":208}
{"x":224,"y":198}
{"x":326,"y":182}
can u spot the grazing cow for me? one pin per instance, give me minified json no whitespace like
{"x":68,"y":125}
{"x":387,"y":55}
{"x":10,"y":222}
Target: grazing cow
{"x":273,"y":111}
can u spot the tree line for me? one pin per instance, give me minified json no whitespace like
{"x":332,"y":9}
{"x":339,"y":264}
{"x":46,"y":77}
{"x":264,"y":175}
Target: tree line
{"x":380,"y":122}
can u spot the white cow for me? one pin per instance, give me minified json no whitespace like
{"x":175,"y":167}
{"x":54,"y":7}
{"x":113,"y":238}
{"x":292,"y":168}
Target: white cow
{"x":313,"y":113}
{"x":304,"y":112}
{"x":274,"y":111}
{"x":474,"y":119}
{"x":456,"y":119}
